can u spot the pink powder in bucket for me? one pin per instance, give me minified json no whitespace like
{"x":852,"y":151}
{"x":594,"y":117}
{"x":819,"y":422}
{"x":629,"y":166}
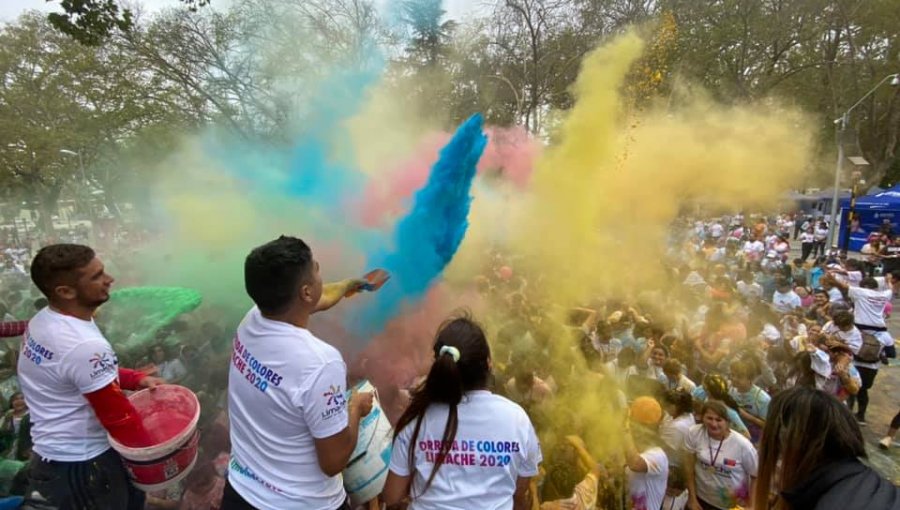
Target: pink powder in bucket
{"x":170,"y":414}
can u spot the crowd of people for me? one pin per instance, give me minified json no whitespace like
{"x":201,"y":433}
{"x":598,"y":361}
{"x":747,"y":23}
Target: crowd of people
{"x":741,"y":381}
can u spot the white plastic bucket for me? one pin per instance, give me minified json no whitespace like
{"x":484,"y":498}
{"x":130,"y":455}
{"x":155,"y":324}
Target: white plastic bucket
{"x":170,"y":414}
{"x":367,"y":469}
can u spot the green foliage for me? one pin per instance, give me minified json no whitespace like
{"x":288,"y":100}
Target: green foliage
{"x":65,"y":108}
{"x":93,"y":22}
{"x":247,"y":69}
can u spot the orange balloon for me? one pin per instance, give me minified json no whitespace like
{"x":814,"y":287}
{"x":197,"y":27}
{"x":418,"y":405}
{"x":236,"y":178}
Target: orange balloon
{"x":505,"y":272}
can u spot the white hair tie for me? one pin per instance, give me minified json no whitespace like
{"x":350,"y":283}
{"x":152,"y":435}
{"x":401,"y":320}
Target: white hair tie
{"x":452,"y":351}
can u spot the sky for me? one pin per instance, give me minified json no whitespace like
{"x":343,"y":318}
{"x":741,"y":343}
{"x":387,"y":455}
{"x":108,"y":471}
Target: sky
{"x":11,"y":9}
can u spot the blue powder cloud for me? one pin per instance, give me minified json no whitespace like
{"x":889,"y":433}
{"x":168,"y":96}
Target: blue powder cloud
{"x":425,"y":240}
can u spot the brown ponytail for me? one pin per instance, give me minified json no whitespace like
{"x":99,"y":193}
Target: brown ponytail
{"x":448,"y":380}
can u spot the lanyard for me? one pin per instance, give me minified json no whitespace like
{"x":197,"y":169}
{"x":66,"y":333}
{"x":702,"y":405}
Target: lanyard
{"x":712,"y":458}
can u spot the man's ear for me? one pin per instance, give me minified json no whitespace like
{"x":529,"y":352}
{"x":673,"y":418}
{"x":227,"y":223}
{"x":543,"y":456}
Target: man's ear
{"x":65,"y":292}
{"x":306,"y":293}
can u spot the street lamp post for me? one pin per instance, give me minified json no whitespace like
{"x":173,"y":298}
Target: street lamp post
{"x":841,"y":124}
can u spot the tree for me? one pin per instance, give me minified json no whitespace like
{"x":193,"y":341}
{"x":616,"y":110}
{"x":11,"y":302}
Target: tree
{"x":430,"y":35}
{"x":92,"y":22}
{"x":821,"y":55}
{"x":246,"y":69}
{"x":58,"y":97}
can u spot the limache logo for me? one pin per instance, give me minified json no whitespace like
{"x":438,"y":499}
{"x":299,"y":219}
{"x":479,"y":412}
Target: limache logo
{"x":335,"y":403}
{"x":335,"y":396}
{"x":101,"y":361}
{"x":102,"y":364}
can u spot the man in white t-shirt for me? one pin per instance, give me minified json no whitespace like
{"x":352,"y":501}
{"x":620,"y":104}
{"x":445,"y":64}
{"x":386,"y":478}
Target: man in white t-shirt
{"x":72,"y":384}
{"x":647,"y":465}
{"x":748,"y":288}
{"x":754,"y":250}
{"x":785,"y":300}
{"x":292,"y":426}
{"x":868,"y":317}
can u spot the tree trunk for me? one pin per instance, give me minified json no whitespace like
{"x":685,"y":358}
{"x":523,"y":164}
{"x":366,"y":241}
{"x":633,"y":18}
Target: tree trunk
{"x":48,"y":201}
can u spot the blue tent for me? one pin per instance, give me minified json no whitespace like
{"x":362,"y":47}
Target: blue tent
{"x":884,"y":199}
{"x":873,"y":211}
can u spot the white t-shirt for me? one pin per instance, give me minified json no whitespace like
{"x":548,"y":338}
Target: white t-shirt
{"x":754,"y":248}
{"x":750,"y":290}
{"x":495,"y":445}
{"x":723,"y":468}
{"x":869,"y":304}
{"x":716,"y":230}
{"x":806,"y":237}
{"x":62,"y":359}
{"x":285,"y":389}
{"x":852,"y":338}
{"x":835,"y":295}
{"x":786,"y":302}
{"x":854,"y":341}
{"x":647,"y":490}
{"x":682,"y":384}
{"x":672,"y":431}
{"x":852,"y":278}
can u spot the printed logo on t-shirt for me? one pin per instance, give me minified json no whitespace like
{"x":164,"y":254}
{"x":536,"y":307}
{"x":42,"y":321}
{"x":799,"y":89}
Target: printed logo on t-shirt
{"x":716,"y":469}
{"x":335,"y":403}
{"x":335,"y":396}
{"x":34,"y":351}
{"x":467,"y":452}
{"x":245,"y":471}
{"x":102,"y":364}
{"x":256,"y":373}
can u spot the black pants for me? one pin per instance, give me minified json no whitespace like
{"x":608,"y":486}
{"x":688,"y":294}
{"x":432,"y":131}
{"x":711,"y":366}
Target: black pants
{"x":867,"y":375}
{"x":895,"y":423}
{"x":805,"y":250}
{"x":231,"y":500}
{"x":100,"y":483}
{"x":818,"y":248}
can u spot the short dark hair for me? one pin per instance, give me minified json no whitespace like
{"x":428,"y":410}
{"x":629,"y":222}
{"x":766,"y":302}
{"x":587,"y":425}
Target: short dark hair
{"x":274,"y":272}
{"x":682,"y":400}
{"x":868,"y":283}
{"x":843,"y":319}
{"x":55,"y":264}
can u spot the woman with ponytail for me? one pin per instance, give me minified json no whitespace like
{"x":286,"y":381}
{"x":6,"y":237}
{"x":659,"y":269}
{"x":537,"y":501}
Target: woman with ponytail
{"x":458,"y":445}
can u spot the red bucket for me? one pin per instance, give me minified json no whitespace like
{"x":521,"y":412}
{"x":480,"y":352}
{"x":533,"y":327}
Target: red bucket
{"x":170,"y":414}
